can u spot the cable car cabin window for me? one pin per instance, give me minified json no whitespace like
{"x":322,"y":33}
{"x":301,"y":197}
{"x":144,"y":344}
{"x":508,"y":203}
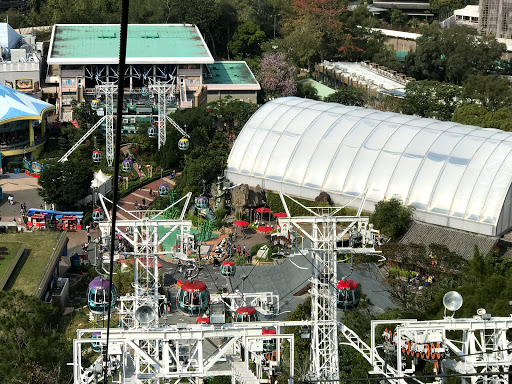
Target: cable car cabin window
{"x":246,"y":318}
{"x":348,"y":299}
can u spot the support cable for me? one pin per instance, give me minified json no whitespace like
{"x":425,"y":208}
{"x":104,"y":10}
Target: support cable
{"x":120,"y":96}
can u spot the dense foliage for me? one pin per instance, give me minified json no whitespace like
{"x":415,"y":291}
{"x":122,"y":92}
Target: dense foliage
{"x":392,"y":217}
{"x":32,"y":344}
{"x":65,"y":183}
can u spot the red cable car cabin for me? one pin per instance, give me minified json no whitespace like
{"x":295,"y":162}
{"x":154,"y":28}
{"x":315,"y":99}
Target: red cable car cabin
{"x":348,"y":294}
{"x":269,"y":345}
{"x":246,"y":314}
{"x":193,"y":298}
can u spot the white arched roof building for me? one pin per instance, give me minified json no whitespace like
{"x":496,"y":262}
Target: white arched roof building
{"x":455,"y":175}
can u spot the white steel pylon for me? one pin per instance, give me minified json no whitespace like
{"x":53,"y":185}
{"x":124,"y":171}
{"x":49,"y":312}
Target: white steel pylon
{"x":326,"y":230}
{"x":161,"y":90}
{"x":109,"y":89}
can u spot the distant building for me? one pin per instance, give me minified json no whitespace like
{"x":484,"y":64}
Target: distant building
{"x":20,"y":60}
{"x":468,"y":15}
{"x":495,"y":17}
{"x":413,"y":8}
{"x":83,"y":55}
{"x":374,"y":79}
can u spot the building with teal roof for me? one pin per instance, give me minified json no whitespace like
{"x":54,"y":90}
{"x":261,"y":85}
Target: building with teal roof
{"x":22,"y":123}
{"x":81,"y":56}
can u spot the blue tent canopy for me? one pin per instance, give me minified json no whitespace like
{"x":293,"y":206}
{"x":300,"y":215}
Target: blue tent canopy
{"x":16,"y":105}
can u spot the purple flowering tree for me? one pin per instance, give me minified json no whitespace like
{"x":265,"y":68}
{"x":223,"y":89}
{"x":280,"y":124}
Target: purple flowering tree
{"x":277,"y":77}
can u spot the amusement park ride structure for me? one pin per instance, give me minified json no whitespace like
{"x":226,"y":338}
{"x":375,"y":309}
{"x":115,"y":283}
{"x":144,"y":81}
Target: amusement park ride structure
{"x":146,"y":350}
{"x":162,"y":90}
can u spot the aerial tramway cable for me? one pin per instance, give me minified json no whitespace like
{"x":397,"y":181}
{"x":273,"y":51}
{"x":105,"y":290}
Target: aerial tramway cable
{"x":125,"y":4}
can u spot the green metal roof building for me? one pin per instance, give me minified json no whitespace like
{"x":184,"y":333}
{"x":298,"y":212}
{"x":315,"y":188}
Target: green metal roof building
{"x":82,"y":56}
{"x":146,"y":44}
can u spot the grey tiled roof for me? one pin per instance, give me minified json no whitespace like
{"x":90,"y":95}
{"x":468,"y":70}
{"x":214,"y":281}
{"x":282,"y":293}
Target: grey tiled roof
{"x":457,"y":241}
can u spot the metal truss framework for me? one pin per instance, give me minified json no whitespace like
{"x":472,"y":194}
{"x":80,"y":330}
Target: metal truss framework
{"x":153,"y":355}
{"x":326,"y":230}
{"x":108,"y":89}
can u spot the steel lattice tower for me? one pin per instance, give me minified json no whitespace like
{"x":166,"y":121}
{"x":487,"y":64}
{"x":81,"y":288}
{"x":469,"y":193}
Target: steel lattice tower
{"x":109,"y":89}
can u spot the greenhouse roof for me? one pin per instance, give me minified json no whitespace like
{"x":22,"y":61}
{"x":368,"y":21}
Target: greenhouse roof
{"x":454,"y":175}
{"x":16,"y":105}
{"x":146,"y":44}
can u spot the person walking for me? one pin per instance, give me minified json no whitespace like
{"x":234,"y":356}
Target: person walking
{"x":144,"y":201}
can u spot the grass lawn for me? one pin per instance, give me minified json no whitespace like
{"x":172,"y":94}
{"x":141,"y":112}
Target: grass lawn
{"x":38,"y":249}
{"x":12,"y":249}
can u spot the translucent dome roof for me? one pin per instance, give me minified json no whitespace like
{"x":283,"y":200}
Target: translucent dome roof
{"x":455,"y":175}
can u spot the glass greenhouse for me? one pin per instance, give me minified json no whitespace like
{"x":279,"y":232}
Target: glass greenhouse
{"x":455,"y":175}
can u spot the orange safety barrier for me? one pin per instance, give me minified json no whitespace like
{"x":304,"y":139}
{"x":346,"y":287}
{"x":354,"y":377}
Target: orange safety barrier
{"x":427,"y":352}
{"x":436,"y":366}
{"x":438,"y":354}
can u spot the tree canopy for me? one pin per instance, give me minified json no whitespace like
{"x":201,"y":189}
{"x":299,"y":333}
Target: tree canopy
{"x":431,"y":99}
{"x":392,"y":217}
{"x":348,"y":96}
{"x":32,"y":343}
{"x":452,"y":54}
{"x":246,"y":41}
{"x":65,"y":183}
{"x":277,"y":76}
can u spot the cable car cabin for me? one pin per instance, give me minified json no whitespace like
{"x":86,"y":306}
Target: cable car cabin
{"x":144,"y":91}
{"x":183,"y":144}
{"x":96,"y":346}
{"x":152,"y":132}
{"x":97,"y":296}
{"x":98,"y":214}
{"x":95,"y":104}
{"x":38,"y":220}
{"x":193,"y":298}
{"x":269,"y":344}
{"x":203,"y":320}
{"x":127,"y":165}
{"x":348,"y":295}
{"x":201,"y":202}
{"x":227,"y":268}
{"x":163,"y":189}
{"x":97,"y":156}
{"x":246,"y":314}
{"x":132,"y":108}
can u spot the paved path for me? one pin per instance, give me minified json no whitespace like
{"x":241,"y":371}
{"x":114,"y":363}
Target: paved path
{"x":24,"y":189}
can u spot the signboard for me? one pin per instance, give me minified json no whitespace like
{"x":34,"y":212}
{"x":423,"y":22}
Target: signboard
{"x":24,"y":84}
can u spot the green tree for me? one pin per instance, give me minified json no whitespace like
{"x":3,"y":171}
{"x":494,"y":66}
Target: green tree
{"x":492,"y":92}
{"x":246,"y":41}
{"x":476,"y":114}
{"x":307,"y":91}
{"x":347,"y":95}
{"x":65,"y":183}
{"x":431,"y":99}
{"x":84,"y":115}
{"x":32,"y":342}
{"x":392,"y":217}
{"x":453,"y":54}
{"x":470,"y":114}
{"x":398,"y":18}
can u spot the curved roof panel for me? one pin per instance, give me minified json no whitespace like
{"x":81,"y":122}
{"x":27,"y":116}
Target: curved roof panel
{"x":16,"y":105}
{"x":455,"y":175}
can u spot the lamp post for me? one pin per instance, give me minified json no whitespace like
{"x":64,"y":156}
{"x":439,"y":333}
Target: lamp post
{"x":275,"y":16}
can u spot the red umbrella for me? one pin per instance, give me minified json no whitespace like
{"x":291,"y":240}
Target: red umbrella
{"x":280,"y":214}
{"x":241,"y":223}
{"x":263,"y":210}
{"x":265,"y":229}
